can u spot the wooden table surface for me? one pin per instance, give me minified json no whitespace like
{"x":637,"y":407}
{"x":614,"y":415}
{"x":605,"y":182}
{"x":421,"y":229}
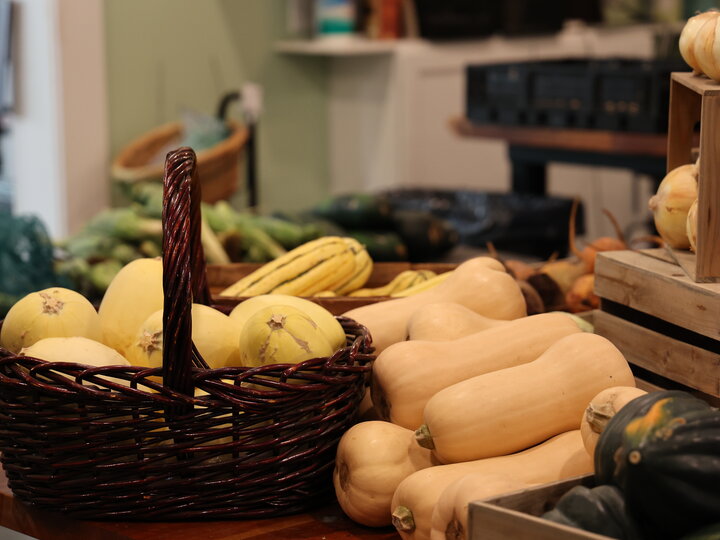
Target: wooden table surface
{"x":583,"y":140}
{"x":326,"y":523}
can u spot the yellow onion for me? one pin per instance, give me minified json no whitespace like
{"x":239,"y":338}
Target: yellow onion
{"x":688,"y":35}
{"x":671,"y":203}
{"x":691,"y":225}
{"x":706,"y":48}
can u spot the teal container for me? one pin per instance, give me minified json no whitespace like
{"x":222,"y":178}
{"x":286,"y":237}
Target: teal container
{"x":335,"y":17}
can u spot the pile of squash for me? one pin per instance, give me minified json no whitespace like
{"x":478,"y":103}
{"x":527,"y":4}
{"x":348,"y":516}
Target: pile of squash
{"x":61,"y":325}
{"x":656,"y":468}
{"x":473,"y":398}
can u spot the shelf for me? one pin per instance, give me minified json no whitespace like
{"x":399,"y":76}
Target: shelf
{"x":615,"y":142}
{"x":337,"y":47}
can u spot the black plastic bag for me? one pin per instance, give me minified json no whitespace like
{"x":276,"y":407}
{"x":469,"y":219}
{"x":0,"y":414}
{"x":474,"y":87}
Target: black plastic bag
{"x":518,"y":223}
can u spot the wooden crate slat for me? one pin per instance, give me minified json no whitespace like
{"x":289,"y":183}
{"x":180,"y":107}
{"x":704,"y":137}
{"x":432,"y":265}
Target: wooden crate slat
{"x":681,"y":362}
{"x":515,"y":515}
{"x":660,"y":289}
{"x":708,"y":229}
{"x":647,"y":386}
{"x":688,"y":262}
{"x":697,"y":83}
{"x":685,"y":106}
{"x":692,"y":99}
{"x":491,"y":522}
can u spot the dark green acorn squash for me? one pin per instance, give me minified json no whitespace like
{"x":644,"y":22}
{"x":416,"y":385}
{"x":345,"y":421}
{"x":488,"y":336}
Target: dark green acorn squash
{"x":663,"y":451}
{"x":669,"y":470}
{"x":612,"y":436}
{"x":600,"y":510}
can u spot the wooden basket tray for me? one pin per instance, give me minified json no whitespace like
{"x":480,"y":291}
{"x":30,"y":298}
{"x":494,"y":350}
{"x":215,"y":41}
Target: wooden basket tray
{"x":221,"y":276}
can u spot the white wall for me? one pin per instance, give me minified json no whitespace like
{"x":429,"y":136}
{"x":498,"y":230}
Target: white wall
{"x":58,"y":143}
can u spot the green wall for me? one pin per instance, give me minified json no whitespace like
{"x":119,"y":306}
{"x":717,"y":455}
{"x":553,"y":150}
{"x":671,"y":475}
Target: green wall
{"x":168,"y":55}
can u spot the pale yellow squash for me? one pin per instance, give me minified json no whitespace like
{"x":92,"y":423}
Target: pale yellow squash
{"x":600,"y":411}
{"x":513,"y":408}
{"x":330,"y":326}
{"x":53,"y":312}
{"x":480,"y":284}
{"x":372,"y":459}
{"x":446,"y":321}
{"x":414,"y":499}
{"x":450,"y":515}
{"x":406,"y":375}
{"x":281,"y":335}
{"x":214,"y":335}
{"x":134,"y":294}
{"x":79,"y":350}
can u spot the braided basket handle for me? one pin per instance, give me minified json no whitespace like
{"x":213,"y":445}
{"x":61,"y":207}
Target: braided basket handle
{"x":184,"y":279}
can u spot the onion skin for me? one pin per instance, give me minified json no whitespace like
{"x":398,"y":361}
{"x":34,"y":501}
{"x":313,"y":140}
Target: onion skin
{"x":707,"y":49}
{"x":688,"y":35}
{"x":671,"y":203}
{"x":691,"y":225}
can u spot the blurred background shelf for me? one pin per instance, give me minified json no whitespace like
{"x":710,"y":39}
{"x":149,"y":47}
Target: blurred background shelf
{"x":531,"y":149}
{"x":336,"y":47}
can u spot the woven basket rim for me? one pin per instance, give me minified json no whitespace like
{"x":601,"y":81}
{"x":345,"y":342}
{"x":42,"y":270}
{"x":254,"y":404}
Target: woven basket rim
{"x":233,"y":144}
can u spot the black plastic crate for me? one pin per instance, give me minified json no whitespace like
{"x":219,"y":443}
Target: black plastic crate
{"x":617,"y":95}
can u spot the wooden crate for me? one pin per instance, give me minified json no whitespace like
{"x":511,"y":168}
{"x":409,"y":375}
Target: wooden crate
{"x":692,"y":99}
{"x":666,"y":325}
{"x":222,"y":276}
{"x":516,"y":515}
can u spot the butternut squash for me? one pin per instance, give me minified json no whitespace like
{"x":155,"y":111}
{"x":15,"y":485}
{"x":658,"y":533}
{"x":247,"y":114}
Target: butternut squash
{"x":372,"y":459}
{"x":406,"y":375}
{"x":513,"y":408}
{"x":480,"y":284}
{"x":450,"y":516}
{"x":561,"y":457}
{"x":446,"y":321}
{"x":600,"y":411}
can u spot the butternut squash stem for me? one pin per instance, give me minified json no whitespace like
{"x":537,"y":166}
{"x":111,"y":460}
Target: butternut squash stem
{"x":598,"y":417}
{"x":423,"y":437}
{"x":402,"y":519}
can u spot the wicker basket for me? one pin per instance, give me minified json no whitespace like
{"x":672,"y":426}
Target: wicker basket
{"x":218,"y":166}
{"x":125,"y":443}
